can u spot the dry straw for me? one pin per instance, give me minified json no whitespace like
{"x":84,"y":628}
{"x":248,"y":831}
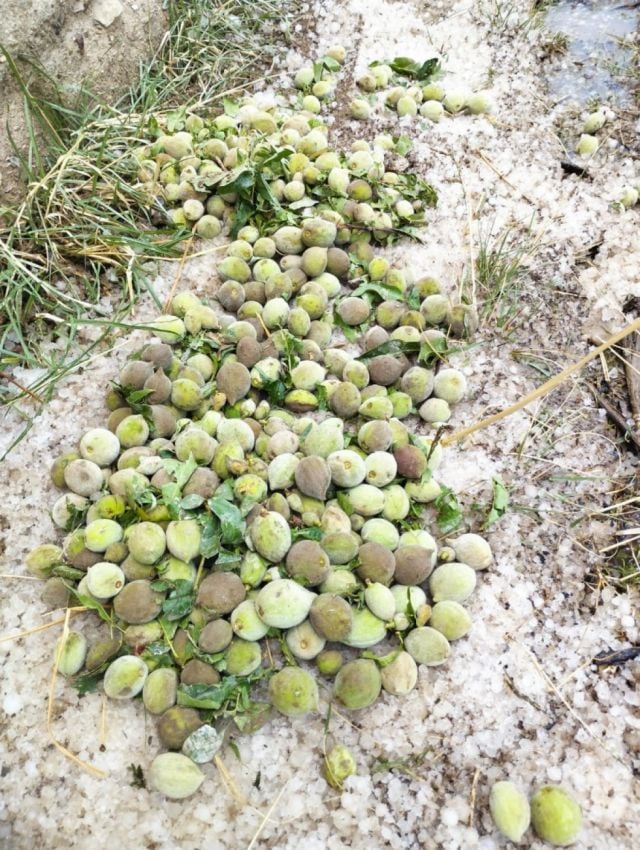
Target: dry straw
{"x":544,"y":389}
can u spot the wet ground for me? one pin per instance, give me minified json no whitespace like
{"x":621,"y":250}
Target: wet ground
{"x":594,"y":50}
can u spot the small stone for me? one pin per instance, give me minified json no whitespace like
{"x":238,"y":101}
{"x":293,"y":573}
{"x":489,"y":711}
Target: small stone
{"x":105,"y":12}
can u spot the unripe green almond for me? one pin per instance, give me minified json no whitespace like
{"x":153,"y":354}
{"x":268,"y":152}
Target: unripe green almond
{"x":282,"y":471}
{"x":356,"y":373}
{"x":594,"y":122}
{"x":60,"y":463}
{"x":510,"y":810}
{"x":83,"y":477}
{"x":555,"y":815}
{"x":243,"y":657}
{"x":406,"y":105}
{"x":479,"y":103}
{"x":235,"y":431}
{"x":307,"y":375}
{"x":587,"y":145}
{"x":427,"y":646}
{"x":215,"y":636}
{"x":101,"y":533}
{"x":141,"y":635}
{"x":450,"y":619}
{"x":366,"y":500}
{"x":193,"y":209}
{"x":473,"y":550}
{"x":105,"y":580}
{"x":183,"y":539}
{"x":246,"y":622}
{"x":250,"y":487}
{"x":100,"y":446}
{"x":71,"y":653}
{"x":325,"y":438}
{"x":133,"y":431}
{"x":380,"y":531}
{"x":169,"y":329}
{"x":160,"y":689}
{"x":377,"y":407}
{"x":450,"y":385}
{"x":380,"y":601}
{"x":125,"y":677}
{"x":234,"y":268}
{"x":146,"y":542}
{"x":360,"y":108}
{"x":358,"y":684}
{"x":185,"y":394}
{"x":311,"y":104}
{"x":340,"y":582}
{"x":435,"y":410}
{"x":329,"y":662}
{"x":202,"y":745}
{"x":175,"y":776}
{"x":408,"y":598}
{"x":433,"y":91}
{"x":396,"y":503}
{"x":271,"y":536}
{"x":347,"y":468}
{"x":366,"y":630}
{"x":335,"y":520}
{"x":196,"y":442}
{"x":453,"y":581}
{"x":432,"y":109}
{"x":283,"y":603}
{"x":304,"y":78}
{"x":208,"y":227}
{"x":317,"y":232}
{"x":340,"y":546}
{"x":41,"y":560}
{"x":629,"y":197}
{"x":293,"y":692}
{"x":304,"y":642}
{"x":400,"y":676}
{"x":339,"y":765}
{"x":454,"y":101}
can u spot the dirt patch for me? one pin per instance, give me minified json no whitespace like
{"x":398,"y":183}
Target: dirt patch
{"x":95,"y":43}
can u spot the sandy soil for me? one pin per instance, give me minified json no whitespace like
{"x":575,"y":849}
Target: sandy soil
{"x":98,"y":43}
{"x":520,"y":698}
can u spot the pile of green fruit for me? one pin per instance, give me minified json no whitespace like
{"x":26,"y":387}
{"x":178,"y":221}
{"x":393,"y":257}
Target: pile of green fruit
{"x":253,"y":518}
{"x":271,"y":163}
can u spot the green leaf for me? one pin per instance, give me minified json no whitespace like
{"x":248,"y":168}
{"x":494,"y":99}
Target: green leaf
{"x":180,"y":470}
{"x":180,"y":601}
{"x":213,"y":697}
{"x":391,"y":346}
{"x":306,"y":534}
{"x":94,"y":605}
{"x":381,"y":660}
{"x":449,"y":513}
{"x":343,"y":501}
{"x":210,"y":538}
{"x":228,"y":560}
{"x":331,"y":64}
{"x":499,"y":503}
{"x":403,"y":145}
{"x":193,"y":500}
{"x":384,"y":292}
{"x":87,"y":683}
{"x":230,"y":107}
{"x":232,"y":524}
{"x":422,"y":72}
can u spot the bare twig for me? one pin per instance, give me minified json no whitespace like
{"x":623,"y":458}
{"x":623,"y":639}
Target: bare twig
{"x":545,"y":388}
{"x":616,"y":417}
